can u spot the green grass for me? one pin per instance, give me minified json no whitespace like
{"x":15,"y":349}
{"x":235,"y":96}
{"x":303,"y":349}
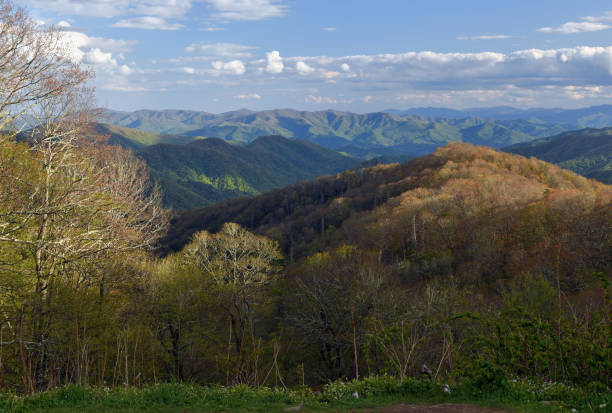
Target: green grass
{"x":519,"y":396}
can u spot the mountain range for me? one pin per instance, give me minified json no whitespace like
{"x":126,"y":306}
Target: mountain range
{"x":195,"y":171}
{"x":593,"y":117}
{"x":361,"y":135}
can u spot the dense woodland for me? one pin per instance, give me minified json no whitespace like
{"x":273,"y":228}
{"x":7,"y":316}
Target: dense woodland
{"x":483,"y":265}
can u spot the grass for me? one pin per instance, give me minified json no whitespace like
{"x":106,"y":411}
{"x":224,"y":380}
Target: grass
{"x":519,"y":396}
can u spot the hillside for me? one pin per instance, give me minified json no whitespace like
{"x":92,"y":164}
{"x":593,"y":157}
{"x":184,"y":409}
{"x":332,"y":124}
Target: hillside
{"x":587,"y":152}
{"x":132,"y":138}
{"x":211,"y":170}
{"x":453,"y":189}
{"x":349,"y":132}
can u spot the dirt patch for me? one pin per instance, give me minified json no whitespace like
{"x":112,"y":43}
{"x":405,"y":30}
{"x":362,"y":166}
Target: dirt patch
{"x":436,"y":408}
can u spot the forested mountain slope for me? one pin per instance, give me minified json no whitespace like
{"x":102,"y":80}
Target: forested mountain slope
{"x":133,"y":138}
{"x":587,"y":152}
{"x":464,"y":209}
{"x":211,"y":170}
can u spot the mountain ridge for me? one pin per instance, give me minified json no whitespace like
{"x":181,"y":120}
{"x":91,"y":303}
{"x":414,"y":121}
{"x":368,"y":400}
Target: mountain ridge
{"x":336,"y":129}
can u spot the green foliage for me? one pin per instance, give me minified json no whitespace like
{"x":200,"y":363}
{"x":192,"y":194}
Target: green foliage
{"x":211,"y":170}
{"x":376,"y":390}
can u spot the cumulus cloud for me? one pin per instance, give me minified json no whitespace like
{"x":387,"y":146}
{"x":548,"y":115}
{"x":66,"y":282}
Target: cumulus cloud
{"x":97,"y":52}
{"x":98,"y":57}
{"x":231,"y":50}
{"x":248,"y":9}
{"x":274,"y":62}
{"x":576,"y":27}
{"x":303,"y":68}
{"x":235,"y":67}
{"x":589,"y":65}
{"x":345,"y":67}
{"x":329,"y":29}
{"x":147,"y":23}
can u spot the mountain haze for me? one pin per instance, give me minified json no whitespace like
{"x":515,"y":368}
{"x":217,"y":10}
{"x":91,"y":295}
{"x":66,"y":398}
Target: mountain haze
{"x":348,"y":132}
{"x":593,"y":117}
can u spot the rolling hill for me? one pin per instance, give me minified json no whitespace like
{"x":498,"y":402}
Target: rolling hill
{"x":587,"y":152}
{"x":349,"y":132}
{"x":211,"y":170}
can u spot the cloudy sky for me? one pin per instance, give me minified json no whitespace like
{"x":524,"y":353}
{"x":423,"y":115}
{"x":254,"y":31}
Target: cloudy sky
{"x":358,"y":55}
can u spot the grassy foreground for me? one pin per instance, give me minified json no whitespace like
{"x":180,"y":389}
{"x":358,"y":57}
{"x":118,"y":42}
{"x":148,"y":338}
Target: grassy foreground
{"x":519,"y":396}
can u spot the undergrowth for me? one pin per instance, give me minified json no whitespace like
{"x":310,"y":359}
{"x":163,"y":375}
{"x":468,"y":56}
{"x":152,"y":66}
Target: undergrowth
{"x":517,"y":395}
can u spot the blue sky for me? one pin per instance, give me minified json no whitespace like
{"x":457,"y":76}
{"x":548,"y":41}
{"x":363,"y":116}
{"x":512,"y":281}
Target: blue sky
{"x":357,"y":55}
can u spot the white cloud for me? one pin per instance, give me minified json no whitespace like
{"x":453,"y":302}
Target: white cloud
{"x":114,"y":8}
{"x":249,"y":96}
{"x":345,"y":67}
{"x":99,"y":53}
{"x":147,"y":23}
{"x":235,"y":67}
{"x":226,"y":9}
{"x":576,"y":27}
{"x":589,"y":65}
{"x":96,"y":56}
{"x":329,"y":29}
{"x":486,"y":37}
{"x":320,"y":99}
{"x":274,"y":62}
{"x":189,"y":70}
{"x":248,"y":9}
{"x":78,"y":40}
{"x":303,"y":68}
{"x":231,"y":50}
{"x":606,"y":17}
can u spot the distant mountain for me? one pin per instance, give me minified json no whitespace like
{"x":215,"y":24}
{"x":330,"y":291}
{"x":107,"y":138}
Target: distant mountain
{"x":211,"y":170}
{"x":593,"y":117}
{"x":349,"y":132}
{"x":587,"y":152}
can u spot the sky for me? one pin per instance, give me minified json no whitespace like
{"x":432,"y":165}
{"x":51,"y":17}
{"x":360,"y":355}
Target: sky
{"x":354,"y":55}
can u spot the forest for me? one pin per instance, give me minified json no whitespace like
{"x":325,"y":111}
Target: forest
{"x":466,"y":265}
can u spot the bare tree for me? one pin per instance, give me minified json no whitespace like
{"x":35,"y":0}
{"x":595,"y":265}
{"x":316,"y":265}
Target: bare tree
{"x":66,"y":203}
{"x":35,"y":67}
